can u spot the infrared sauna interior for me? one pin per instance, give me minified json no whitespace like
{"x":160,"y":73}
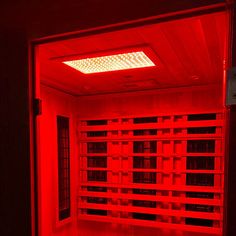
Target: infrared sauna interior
{"x":133,"y":151}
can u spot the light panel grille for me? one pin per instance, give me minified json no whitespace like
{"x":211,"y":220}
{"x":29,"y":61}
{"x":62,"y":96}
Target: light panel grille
{"x":116,"y":62}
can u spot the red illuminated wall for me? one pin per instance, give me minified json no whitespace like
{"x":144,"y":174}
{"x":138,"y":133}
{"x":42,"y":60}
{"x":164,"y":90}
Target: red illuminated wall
{"x":54,"y":103}
{"x":199,"y":99}
{"x":165,"y":101}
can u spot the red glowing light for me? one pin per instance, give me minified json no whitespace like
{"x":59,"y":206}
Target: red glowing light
{"x":116,"y":62}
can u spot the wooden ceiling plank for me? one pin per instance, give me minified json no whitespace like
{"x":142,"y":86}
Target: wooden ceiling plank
{"x":177,"y":42}
{"x":187,"y":47}
{"x":209,"y":26}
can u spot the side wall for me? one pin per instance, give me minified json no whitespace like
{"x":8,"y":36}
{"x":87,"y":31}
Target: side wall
{"x":54,"y":103}
{"x":231,"y":165}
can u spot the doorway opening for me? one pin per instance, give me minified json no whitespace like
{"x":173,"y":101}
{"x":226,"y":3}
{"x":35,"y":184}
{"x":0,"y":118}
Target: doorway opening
{"x":132,"y":132}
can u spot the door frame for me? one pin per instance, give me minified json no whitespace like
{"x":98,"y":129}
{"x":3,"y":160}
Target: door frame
{"x":34,"y":84}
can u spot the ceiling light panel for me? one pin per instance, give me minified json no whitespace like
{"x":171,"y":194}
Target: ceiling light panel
{"x":116,"y":62}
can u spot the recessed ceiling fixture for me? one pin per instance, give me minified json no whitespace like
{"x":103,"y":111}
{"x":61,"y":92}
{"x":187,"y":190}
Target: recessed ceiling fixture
{"x":115,"y":62}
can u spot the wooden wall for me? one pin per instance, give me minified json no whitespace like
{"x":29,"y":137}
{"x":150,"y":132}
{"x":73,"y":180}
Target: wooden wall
{"x":167,"y":101}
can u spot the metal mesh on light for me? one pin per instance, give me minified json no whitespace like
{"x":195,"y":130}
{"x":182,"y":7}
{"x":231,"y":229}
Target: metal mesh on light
{"x":111,"y":63}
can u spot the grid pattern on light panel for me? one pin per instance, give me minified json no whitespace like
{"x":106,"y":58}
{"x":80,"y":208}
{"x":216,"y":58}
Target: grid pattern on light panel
{"x":111,"y":63}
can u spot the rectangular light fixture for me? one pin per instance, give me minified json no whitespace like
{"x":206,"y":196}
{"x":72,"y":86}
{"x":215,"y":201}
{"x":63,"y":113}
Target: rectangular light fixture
{"x":115,"y":62}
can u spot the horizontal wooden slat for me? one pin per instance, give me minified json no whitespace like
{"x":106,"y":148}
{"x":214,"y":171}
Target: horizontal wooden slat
{"x":166,"y":199}
{"x":156,"y":211}
{"x":154,"y":113}
{"x":120,"y":170}
{"x":160,"y":125}
{"x":180,"y":188}
{"x":129,"y":154}
{"x":154,"y":138}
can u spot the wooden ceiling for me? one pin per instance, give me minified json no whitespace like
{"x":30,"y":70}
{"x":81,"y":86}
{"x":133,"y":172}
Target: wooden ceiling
{"x":188,"y":51}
